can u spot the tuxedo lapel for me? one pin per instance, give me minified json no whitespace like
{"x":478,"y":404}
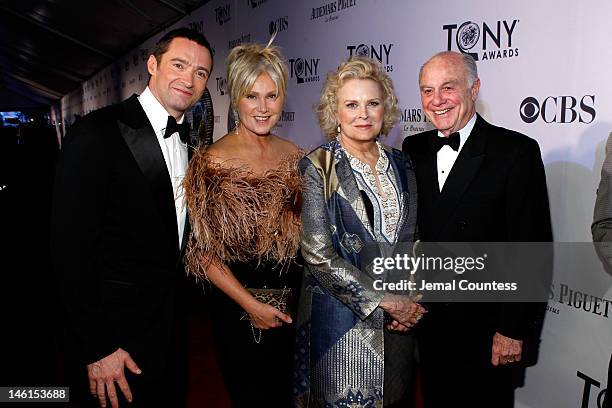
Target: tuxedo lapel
{"x":423,"y":155}
{"x":406,"y":184}
{"x":187,"y":229}
{"x":189,"y":152}
{"x":463,"y":172}
{"x":142,"y":142}
{"x":184,"y":241}
{"x":429,"y":164}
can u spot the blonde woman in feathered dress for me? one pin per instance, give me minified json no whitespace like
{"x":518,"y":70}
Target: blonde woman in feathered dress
{"x":243,"y":195}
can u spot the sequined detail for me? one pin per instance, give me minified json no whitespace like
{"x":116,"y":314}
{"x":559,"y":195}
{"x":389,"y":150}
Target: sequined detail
{"x":386,"y":201}
{"x":357,"y":399}
{"x":339,"y":380}
{"x":351,"y":242}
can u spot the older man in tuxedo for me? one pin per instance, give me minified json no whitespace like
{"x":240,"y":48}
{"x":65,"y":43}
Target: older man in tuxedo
{"x":477,"y":183}
{"x":119,"y":228}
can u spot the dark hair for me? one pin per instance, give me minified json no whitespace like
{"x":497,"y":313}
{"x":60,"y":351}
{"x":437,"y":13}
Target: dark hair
{"x":162,"y":45}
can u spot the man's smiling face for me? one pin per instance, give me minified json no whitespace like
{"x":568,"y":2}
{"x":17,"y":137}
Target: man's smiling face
{"x":179,"y":78}
{"x":448,"y":99}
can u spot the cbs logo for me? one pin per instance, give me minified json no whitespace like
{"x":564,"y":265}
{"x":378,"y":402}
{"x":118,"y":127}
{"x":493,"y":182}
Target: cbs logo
{"x":559,"y":109}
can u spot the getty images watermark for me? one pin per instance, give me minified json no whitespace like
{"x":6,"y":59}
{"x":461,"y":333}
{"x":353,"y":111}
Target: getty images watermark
{"x":574,"y":273}
{"x":462,"y":272}
{"x":422,"y":263}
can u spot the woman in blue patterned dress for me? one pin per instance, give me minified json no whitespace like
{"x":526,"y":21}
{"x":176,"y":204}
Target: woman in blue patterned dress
{"x":355,"y":347}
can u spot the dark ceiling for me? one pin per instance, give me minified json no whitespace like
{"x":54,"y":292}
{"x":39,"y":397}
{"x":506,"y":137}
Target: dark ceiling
{"x":48,"y":47}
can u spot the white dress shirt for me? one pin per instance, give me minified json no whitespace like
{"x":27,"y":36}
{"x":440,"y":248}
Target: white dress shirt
{"x":447,"y":156}
{"x":174,"y":151}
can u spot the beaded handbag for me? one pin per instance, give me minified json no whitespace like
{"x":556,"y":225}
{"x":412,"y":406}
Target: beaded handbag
{"x":278,"y":298}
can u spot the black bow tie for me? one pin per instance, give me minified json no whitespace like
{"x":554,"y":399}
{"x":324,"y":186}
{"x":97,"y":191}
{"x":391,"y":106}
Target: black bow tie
{"x":452,"y":140}
{"x":182,"y":129}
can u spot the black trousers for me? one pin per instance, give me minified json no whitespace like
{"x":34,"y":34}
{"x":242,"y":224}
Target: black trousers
{"x":467,"y":387}
{"x":456,"y":372}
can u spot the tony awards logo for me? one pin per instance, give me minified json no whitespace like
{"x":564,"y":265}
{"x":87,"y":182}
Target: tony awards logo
{"x":304,"y":69}
{"x":379,"y":52}
{"x":484,"y":41}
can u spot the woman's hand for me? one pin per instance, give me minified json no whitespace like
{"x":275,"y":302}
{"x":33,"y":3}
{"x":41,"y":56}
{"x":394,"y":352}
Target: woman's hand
{"x":397,"y":326}
{"x":264,"y":316}
{"x":404,"y":311}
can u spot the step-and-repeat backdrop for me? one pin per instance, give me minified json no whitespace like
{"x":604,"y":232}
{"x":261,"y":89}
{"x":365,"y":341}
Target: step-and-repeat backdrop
{"x":545,"y":71}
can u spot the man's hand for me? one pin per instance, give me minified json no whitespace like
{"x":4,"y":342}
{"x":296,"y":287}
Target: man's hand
{"x":505,"y":350}
{"x":104,"y":373}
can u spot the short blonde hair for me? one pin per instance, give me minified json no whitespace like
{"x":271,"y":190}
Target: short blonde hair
{"x":246,"y":62}
{"x":357,"y":67}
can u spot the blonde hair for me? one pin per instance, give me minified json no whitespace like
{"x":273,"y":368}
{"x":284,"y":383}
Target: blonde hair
{"x":246,"y":62}
{"x":357,"y":67}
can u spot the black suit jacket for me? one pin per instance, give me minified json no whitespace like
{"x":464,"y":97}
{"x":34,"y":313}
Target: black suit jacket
{"x":114,"y":239}
{"x":495,"y":192}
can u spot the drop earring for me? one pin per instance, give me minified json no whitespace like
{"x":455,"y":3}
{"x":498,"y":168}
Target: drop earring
{"x":236,"y":121}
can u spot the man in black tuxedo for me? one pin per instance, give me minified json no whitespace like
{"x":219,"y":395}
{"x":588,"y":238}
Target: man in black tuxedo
{"x":119,"y":228}
{"x":477,"y":183}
